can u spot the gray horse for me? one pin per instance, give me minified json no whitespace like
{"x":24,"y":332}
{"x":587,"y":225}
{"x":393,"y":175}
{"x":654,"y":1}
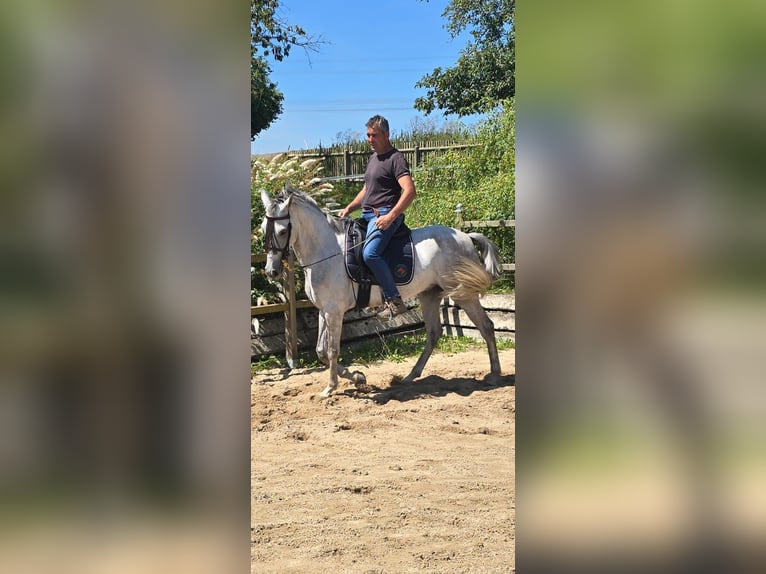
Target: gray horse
{"x":446,"y":265}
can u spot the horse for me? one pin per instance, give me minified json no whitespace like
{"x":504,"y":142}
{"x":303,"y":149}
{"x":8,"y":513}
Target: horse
{"x":446,"y":264}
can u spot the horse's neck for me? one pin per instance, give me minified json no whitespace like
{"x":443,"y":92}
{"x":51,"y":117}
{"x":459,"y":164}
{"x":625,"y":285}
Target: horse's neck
{"x":314,"y":236}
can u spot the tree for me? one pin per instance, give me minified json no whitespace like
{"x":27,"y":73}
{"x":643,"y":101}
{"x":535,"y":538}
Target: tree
{"x":484,"y":74}
{"x":265,"y":97}
{"x":271,"y":37}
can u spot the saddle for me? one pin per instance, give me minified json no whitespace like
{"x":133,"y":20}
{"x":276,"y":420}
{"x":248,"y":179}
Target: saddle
{"x":399,"y":255}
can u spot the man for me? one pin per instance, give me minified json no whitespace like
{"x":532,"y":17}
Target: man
{"x":388,"y":190}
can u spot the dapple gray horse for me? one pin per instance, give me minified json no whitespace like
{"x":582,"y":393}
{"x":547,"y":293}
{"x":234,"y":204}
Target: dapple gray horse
{"x":446,"y":264}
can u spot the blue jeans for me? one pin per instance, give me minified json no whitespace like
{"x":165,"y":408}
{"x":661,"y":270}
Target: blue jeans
{"x":375,"y":245}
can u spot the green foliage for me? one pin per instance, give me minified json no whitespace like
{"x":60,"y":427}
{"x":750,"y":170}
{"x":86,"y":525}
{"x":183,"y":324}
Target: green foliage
{"x":484,"y":74}
{"x":270,"y":37}
{"x":480,"y":178}
{"x":273,"y":174}
{"x":265,"y":363}
{"x":265,"y":97}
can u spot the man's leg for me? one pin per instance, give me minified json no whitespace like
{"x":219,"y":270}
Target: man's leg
{"x":374,"y":246}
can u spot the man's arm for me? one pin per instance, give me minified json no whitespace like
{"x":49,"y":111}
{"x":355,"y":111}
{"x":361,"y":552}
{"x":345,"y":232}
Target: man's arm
{"x":407,"y":197}
{"x":355,"y":204}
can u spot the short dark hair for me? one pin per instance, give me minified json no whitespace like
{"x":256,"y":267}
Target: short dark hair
{"x":378,"y":121}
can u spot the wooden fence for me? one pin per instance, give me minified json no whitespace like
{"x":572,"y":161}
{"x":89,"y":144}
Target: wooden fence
{"x":501,"y":309}
{"x":299,"y":330}
{"x":350,"y":164}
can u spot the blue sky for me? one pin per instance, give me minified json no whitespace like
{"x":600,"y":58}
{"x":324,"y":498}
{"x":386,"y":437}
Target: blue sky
{"x":374,"y":54}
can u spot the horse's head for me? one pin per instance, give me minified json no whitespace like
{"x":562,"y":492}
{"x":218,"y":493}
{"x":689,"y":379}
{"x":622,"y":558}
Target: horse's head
{"x":276,"y":229}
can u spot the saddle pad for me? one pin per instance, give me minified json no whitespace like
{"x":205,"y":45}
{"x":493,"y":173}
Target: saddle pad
{"x":399,"y":254}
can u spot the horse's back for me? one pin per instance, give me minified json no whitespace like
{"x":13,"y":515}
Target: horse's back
{"x":448,"y":239}
{"x":438,"y":247}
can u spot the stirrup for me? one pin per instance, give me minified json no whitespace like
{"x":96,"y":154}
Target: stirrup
{"x":393,"y":307}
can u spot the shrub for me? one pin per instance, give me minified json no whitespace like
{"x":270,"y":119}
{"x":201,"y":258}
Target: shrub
{"x":272,"y":175}
{"x":481,"y":179}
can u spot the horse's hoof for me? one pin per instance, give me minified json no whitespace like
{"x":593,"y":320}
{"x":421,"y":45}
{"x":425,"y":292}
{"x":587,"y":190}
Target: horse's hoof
{"x":325,"y":393}
{"x":358,"y":378}
{"x":360,"y":382}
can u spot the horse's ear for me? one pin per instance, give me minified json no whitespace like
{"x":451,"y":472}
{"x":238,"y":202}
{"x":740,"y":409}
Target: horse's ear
{"x":265,"y":199}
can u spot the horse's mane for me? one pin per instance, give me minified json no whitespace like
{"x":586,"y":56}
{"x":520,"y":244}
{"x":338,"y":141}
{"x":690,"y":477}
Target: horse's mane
{"x":290,"y":192}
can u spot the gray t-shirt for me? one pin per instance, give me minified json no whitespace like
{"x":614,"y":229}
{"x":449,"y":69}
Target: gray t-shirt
{"x":381,"y":179}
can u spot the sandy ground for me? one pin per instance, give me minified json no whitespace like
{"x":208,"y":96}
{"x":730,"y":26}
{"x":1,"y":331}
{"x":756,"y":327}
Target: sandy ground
{"x":407,"y":478}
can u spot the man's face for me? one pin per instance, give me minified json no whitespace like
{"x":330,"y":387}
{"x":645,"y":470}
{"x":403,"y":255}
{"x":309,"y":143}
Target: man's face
{"x":377,"y":138}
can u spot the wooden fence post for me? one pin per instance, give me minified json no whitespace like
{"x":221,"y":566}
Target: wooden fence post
{"x":459,"y":215}
{"x":291,"y":314}
{"x":347,"y":162}
{"x":417,"y":156}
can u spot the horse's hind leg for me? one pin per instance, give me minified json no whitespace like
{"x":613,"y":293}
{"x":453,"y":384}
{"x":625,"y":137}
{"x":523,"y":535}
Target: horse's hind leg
{"x":479,"y":317}
{"x":429,"y":305}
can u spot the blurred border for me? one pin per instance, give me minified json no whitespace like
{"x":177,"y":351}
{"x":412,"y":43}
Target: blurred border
{"x":640,"y":242}
{"x":124,"y":257}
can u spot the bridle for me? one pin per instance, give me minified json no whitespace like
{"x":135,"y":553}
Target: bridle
{"x":270,"y":239}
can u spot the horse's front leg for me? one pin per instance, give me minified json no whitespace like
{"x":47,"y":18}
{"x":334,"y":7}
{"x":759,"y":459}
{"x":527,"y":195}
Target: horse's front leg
{"x":321,"y":347}
{"x":323,"y":354}
{"x":333,"y":325}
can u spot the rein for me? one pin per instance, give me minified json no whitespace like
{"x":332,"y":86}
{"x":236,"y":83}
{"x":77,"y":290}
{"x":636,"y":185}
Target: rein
{"x":341,"y":252}
{"x":271,"y":244}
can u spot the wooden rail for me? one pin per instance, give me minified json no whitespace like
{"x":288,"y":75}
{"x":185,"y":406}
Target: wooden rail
{"x":492,"y":223}
{"x":257,"y":259}
{"x":277,"y":307}
{"x":497,"y":223}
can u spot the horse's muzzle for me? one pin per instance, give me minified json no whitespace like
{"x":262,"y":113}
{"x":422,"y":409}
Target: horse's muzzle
{"x":273,"y":268}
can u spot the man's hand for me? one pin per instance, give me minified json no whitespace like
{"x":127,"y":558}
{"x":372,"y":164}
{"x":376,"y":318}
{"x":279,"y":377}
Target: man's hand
{"x":384,"y":221}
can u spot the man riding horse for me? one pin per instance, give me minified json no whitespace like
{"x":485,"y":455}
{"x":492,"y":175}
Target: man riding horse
{"x":387,"y":192}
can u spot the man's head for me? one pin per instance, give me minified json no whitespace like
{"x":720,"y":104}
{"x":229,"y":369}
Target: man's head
{"x":378,"y":134}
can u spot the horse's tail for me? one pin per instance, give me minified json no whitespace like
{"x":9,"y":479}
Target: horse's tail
{"x":468,"y":279}
{"x":488,"y":254}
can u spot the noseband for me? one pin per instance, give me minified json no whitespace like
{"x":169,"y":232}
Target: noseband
{"x":270,"y":239}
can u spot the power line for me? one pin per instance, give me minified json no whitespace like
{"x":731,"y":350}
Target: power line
{"x":325,"y":104}
{"x":337,"y":110}
{"x":356,"y":72}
